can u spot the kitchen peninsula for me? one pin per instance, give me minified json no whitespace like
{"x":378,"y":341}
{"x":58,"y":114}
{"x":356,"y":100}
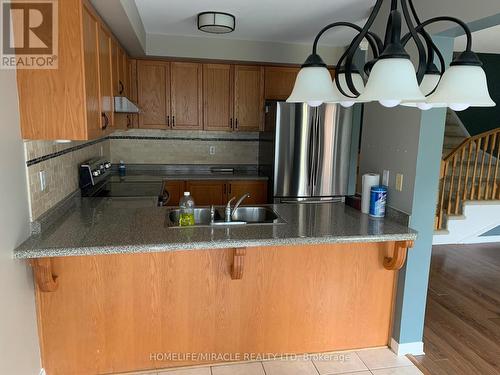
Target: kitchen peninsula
{"x":116,"y":285}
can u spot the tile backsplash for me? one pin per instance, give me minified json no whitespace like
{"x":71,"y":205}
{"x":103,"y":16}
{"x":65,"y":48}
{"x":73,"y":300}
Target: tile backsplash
{"x":184,"y":147}
{"x":60,"y":161}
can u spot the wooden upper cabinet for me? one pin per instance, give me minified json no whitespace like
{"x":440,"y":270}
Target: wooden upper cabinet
{"x":123,"y":73}
{"x":186,"y":95}
{"x":248,"y":97}
{"x":218,"y":96}
{"x":279,"y":82}
{"x":153,"y":94}
{"x":65,"y":103}
{"x":106,"y":80}
{"x":91,"y":62}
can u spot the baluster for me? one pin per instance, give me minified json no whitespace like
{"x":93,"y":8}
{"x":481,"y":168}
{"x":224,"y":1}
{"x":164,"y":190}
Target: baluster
{"x":457,"y":197}
{"x":452,"y":180}
{"x":474,"y":174}
{"x":492,"y":151}
{"x":441,"y":199}
{"x":494,"y":195}
{"x":480,"y":183}
{"x":466,"y":188}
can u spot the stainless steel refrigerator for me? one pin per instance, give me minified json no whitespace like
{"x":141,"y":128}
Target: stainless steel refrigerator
{"x":306,"y":151}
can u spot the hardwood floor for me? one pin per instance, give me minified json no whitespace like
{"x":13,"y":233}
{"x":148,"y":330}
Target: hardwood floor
{"x":462,"y":325}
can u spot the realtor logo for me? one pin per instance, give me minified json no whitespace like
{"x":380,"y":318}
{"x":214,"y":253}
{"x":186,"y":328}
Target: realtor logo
{"x":29,"y":34}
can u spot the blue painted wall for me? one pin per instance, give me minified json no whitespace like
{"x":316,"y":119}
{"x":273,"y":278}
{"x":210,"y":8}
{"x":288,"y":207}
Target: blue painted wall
{"x":413,"y":278}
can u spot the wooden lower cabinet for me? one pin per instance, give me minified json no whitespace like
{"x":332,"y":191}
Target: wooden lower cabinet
{"x":206,"y":193}
{"x":126,"y":312}
{"x":175,"y":191}
{"x":257,"y":190}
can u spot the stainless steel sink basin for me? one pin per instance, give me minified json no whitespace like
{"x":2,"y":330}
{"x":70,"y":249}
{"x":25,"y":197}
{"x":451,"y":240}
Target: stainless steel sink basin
{"x":247,"y":215}
{"x":255,"y":215}
{"x":201,"y":216}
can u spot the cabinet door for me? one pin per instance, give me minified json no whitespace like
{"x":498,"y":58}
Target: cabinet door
{"x":153,"y":94}
{"x":218,"y":97}
{"x":257,"y":190}
{"x":91,"y":61}
{"x":248,"y":97}
{"x":175,"y":190}
{"x":186,"y":95}
{"x":279,"y":82}
{"x":133,"y":119}
{"x":206,"y":193}
{"x":106,"y":79}
{"x":123,"y":72}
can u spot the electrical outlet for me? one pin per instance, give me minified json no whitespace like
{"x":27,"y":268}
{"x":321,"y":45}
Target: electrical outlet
{"x":43,"y":180}
{"x":101,"y":152}
{"x":399,"y":182}
{"x":385,"y":177}
{"x":211,"y":150}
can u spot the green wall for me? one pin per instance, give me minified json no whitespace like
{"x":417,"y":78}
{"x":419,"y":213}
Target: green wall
{"x":479,"y":120}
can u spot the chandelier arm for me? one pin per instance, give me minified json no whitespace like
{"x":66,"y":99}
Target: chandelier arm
{"x":430,"y":21}
{"x":432,"y":48}
{"x":370,"y":38}
{"x":338,"y":68}
{"x":422,"y":57}
{"x":354,"y":45}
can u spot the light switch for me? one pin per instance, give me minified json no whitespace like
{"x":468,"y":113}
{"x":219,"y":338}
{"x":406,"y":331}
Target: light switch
{"x":385,"y":177}
{"x":399,"y":182}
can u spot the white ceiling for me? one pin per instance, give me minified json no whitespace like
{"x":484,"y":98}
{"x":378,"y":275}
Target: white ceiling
{"x":483,"y":41}
{"x":288,"y":21}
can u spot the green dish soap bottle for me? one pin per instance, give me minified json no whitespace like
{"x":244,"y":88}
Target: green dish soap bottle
{"x":186,"y":205}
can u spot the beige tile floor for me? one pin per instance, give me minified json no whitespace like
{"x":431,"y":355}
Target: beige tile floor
{"x":363,"y":362}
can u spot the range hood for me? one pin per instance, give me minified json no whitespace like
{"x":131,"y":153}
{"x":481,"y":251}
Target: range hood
{"x":125,"y":105}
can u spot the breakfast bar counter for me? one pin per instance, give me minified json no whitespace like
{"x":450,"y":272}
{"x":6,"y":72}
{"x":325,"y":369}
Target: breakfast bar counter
{"x":118,"y":289}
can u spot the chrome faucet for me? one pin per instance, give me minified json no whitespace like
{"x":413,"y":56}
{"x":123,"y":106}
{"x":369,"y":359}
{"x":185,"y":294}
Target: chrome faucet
{"x":229,"y":213}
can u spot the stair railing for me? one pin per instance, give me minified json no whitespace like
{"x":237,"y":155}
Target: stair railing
{"x":470,"y":172}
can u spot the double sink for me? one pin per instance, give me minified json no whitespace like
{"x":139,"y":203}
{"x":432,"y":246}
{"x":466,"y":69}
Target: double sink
{"x":240,"y":216}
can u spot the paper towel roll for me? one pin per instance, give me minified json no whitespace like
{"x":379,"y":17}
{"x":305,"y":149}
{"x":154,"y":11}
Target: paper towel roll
{"x":368,"y":180}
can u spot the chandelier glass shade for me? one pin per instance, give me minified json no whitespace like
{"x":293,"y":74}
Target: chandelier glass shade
{"x":391,"y":78}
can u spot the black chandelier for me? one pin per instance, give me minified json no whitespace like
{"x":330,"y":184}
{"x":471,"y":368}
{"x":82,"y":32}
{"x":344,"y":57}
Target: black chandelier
{"x":391,"y":76}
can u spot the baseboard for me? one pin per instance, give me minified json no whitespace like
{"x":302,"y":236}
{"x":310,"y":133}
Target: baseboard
{"x":414,"y":348}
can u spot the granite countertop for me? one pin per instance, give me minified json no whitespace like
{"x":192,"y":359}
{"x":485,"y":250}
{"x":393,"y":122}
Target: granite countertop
{"x":141,"y":177}
{"x":136,"y":225}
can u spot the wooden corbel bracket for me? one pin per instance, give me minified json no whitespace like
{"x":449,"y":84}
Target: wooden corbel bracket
{"x":399,"y":257}
{"x":238,"y":263}
{"x":44,"y":278}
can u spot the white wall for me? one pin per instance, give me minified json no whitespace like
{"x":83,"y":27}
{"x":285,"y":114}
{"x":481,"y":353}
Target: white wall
{"x":239,"y":50}
{"x":19,"y":352}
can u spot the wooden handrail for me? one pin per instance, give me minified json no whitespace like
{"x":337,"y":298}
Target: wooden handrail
{"x":469,"y":172}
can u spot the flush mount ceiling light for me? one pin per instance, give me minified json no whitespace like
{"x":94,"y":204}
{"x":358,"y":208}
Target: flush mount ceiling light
{"x":391,"y":76}
{"x":216,"y":22}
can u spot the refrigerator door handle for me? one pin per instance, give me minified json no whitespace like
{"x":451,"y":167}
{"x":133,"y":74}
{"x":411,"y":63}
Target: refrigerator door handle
{"x":311,"y":155}
{"x":317,"y":149}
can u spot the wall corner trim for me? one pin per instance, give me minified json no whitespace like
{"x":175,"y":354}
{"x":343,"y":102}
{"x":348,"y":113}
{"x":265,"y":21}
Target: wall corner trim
{"x":413,"y":348}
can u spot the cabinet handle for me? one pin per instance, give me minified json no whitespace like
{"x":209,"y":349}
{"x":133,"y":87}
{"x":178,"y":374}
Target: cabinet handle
{"x":106,"y":120}
{"x":230,"y":188}
{"x":173,"y":121}
{"x":236,"y":124}
{"x":121,"y":87}
{"x":231,"y":123}
{"x":129,"y":122}
{"x":168,"y":121}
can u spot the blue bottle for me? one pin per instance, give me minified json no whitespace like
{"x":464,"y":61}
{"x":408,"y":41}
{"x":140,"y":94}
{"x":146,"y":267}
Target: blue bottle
{"x":122,"y":170}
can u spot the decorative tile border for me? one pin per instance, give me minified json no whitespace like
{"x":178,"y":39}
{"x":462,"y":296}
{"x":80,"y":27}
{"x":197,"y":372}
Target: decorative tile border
{"x":43,"y":158}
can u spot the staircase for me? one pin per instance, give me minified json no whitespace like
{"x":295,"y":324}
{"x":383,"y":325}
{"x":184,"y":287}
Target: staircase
{"x":454,"y":133}
{"x":470,"y":177}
